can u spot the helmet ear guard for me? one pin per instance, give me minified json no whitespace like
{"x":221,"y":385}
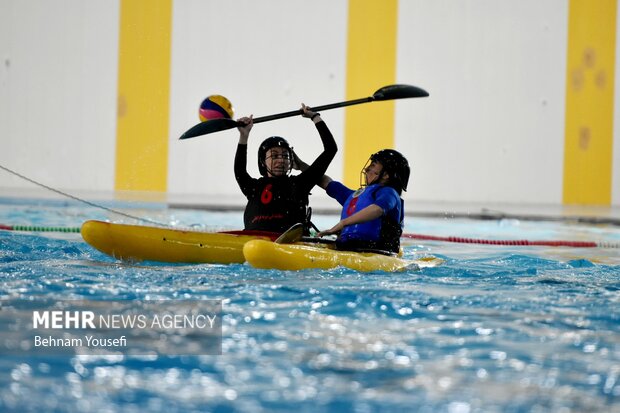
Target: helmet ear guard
{"x":272,"y":142}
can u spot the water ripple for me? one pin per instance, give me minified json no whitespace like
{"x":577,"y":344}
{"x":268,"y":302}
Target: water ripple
{"x":493,"y":330}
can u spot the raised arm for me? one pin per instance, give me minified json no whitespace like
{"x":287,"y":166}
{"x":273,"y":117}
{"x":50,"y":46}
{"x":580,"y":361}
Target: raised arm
{"x":314,"y":173}
{"x":300,"y":165}
{"x":244,"y":180}
{"x":244,"y":131}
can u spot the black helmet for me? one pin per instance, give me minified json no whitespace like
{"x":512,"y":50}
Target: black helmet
{"x":272,"y":142}
{"x":396,"y":165}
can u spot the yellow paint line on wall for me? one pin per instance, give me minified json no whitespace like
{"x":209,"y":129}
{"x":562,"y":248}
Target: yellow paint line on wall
{"x":589,"y":102}
{"x":371,"y":64}
{"x":143,"y":95}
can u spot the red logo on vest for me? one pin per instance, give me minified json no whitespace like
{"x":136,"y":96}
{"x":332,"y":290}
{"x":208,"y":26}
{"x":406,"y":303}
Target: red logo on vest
{"x":354,"y":199}
{"x":266,"y":196}
{"x":351,"y":207}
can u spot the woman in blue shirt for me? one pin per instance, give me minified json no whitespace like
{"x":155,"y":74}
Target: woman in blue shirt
{"x":372,"y":217}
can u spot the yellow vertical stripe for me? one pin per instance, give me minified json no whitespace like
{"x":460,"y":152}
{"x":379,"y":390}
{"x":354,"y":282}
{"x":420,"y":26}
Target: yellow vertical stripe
{"x":371,"y":64}
{"x":589,"y":102}
{"x":143,"y":95}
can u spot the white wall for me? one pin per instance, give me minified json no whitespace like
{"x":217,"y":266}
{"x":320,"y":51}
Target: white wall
{"x":58,"y":73}
{"x":492,"y":130}
{"x":266,"y":59}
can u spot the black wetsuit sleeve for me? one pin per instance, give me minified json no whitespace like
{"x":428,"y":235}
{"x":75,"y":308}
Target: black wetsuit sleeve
{"x":312,"y":176}
{"x":244,"y":180}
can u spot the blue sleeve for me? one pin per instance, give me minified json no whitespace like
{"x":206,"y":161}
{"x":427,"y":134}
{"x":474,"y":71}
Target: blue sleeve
{"x":387,"y":199}
{"x":338,"y":191}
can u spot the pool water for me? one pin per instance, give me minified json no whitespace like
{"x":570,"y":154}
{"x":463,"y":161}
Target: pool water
{"x":493,"y":329}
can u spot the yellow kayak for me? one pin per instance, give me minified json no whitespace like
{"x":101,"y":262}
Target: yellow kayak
{"x":147,"y":243}
{"x":270,"y":255}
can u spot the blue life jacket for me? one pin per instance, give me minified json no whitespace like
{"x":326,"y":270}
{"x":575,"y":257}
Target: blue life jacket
{"x":382,"y":233}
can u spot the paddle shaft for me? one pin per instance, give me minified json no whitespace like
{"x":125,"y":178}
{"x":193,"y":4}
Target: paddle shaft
{"x":391,"y":92}
{"x":314,"y":109}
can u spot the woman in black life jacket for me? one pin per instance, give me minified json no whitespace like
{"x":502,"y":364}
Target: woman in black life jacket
{"x":277,"y":200}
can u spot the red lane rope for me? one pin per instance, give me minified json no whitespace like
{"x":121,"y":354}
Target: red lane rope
{"x":560,"y":243}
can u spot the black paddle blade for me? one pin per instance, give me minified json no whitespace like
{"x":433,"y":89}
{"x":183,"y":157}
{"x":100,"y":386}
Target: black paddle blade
{"x":291,"y":235}
{"x":392,"y":92}
{"x":209,"y":126}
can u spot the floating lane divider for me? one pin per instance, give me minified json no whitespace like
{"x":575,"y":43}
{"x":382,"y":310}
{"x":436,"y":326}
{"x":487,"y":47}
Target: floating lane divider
{"x":523,"y":243}
{"x":575,"y":244}
{"x":34,"y":228}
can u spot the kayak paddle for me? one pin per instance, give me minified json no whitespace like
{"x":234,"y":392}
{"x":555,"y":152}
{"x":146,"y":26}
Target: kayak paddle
{"x":390,"y":92}
{"x":291,"y":235}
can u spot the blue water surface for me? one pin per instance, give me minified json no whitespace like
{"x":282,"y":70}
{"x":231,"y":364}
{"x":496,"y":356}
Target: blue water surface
{"x":493,"y":329}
